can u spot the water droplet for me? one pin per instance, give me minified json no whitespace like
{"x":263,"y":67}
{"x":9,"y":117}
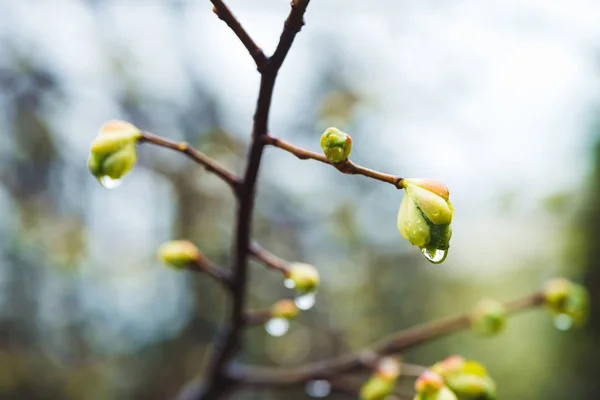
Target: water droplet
{"x":436,"y":256}
{"x":277,"y":326}
{"x":318,"y":388}
{"x":109,"y":182}
{"x":305,"y":301}
{"x":563,"y":322}
{"x":288,"y":283}
{"x":435,"y":212}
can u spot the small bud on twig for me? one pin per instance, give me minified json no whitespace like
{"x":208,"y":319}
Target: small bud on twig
{"x":383,"y":381}
{"x":424,"y":217}
{"x":113,"y":153}
{"x":429,"y":383}
{"x":567,"y":300}
{"x":467,"y":379}
{"x":179,"y":253}
{"x":336,"y":145}
{"x":304,"y":277}
{"x":489,"y":317}
{"x":286,"y":309}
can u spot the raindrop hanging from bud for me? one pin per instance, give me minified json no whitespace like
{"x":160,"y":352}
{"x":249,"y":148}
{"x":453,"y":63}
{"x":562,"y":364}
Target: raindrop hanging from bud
{"x":306,"y":301}
{"x":562,"y":322}
{"x":318,"y":388}
{"x":110,"y":183}
{"x":436,"y":256}
{"x":277,"y":326}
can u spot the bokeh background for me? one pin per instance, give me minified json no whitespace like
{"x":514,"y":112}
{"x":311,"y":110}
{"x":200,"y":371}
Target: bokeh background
{"x":498,"y":99}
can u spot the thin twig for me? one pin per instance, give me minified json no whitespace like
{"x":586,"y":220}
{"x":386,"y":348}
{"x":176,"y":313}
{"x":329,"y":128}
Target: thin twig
{"x":211,"y":165}
{"x":396,"y":343}
{"x":225,"y":14}
{"x":269,"y":259}
{"x":216,"y":382}
{"x":205,"y":266}
{"x":258,"y":317}
{"x":346,"y":167}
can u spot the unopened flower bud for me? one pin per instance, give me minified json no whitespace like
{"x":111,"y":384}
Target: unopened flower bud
{"x":564,"y":297}
{"x":469,"y":386}
{"x":449,"y":366}
{"x":383,"y":380}
{"x":305,"y":277}
{"x":285,"y":309}
{"x":178,"y":253}
{"x":336,"y":145}
{"x":113,"y":153}
{"x":424,"y":217}
{"x":429,"y":383}
{"x":443,"y":394}
{"x":488,"y":317}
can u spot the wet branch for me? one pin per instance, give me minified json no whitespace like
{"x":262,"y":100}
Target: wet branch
{"x":346,"y":167}
{"x":208,"y":163}
{"x":225,"y":14}
{"x":396,"y":343}
{"x":269,"y":259}
{"x":228,"y":342}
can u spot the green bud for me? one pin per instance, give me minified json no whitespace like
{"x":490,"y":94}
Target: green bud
{"x":383,"y":380}
{"x":449,"y":366}
{"x":377,"y":388}
{"x":178,"y":253}
{"x":472,"y":387}
{"x":564,"y":297}
{"x":429,"y":383}
{"x":424,"y":217}
{"x":336,"y":145}
{"x":443,"y":394}
{"x":488,"y":317}
{"x":305,"y":277}
{"x":285,"y":309}
{"x":113,"y":152}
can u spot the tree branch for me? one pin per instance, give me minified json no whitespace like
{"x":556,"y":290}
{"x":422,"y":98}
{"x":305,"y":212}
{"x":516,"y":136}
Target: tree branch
{"x":217,"y":382}
{"x":225,"y":14}
{"x":269,"y":259}
{"x":396,"y":343}
{"x":346,"y":167}
{"x":208,"y":163}
{"x":205,"y":266}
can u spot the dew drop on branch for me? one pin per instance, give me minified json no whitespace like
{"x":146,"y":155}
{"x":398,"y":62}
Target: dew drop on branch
{"x":109,"y":183}
{"x":318,"y":388}
{"x":277,"y":326}
{"x":305,"y":301}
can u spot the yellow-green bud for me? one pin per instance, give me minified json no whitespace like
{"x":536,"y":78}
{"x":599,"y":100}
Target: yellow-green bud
{"x":443,"y":394}
{"x":113,"y":153}
{"x":472,"y":387}
{"x":336,"y":145}
{"x":178,"y":253}
{"x":383,"y":380}
{"x":304,"y":276}
{"x":429,"y":383}
{"x":488,"y":317}
{"x":424,"y":217}
{"x":567,"y":298}
{"x":285,"y":309}
{"x":449,"y":366}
